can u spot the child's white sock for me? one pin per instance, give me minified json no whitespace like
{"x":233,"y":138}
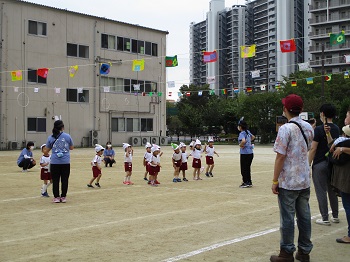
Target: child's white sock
{"x":125,"y":179}
{"x":43,"y":188}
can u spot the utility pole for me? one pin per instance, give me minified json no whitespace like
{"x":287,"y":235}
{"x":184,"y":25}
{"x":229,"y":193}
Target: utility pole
{"x":322,"y":71}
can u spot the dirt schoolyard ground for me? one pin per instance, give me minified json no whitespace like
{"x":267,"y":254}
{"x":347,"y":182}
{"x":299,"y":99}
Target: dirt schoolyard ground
{"x":208,"y":220}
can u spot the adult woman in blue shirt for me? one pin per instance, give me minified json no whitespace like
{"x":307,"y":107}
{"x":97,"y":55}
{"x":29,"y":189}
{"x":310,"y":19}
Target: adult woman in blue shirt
{"x":60,"y":143}
{"x":246,"y":153}
{"x":25,"y":159}
{"x":109,"y":154}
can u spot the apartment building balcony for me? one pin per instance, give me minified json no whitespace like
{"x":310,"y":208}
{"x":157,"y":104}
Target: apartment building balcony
{"x":334,"y":4}
{"x":334,"y":19}
{"x":259,"y":3}
{"x":334,"y":61}
{"x":328,"y":48}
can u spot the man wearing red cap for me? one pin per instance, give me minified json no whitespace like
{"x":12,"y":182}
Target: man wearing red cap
{"x":291,"y":181}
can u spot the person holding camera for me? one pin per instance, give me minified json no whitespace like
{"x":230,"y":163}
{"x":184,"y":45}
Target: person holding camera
{"x":321,"y":171}
{"x":60,"y":143}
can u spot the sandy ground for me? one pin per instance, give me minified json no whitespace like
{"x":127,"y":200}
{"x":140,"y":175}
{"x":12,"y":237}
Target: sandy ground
{"x":208,"y":220}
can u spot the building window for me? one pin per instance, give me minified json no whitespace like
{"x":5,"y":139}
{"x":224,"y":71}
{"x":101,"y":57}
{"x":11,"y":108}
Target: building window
{"x":133,"y":46}
{"x":154,"y":49}
{"x":37,"y":28}
{"x":120,"y":43}
{"x":127,"y":87}
{"x":127,"y":44}
{"x":74,"y":96}
{"x":34,"y":78}
{"x":77,"y":50}
{"x":141,"y":47}
{"x":107,"y":41}
{"x":148,"y":48}
{"x":36,"y":124}
{"x":118,"y":124}
{"x":146,"y":124}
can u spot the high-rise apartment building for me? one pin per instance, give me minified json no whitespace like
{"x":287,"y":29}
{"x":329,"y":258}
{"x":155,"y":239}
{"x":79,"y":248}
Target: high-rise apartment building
{"x":329,"y":17}
{"x":259,"y":22}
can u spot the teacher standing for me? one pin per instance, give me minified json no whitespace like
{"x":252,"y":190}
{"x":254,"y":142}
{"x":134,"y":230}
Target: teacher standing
{"x":60,"y":143}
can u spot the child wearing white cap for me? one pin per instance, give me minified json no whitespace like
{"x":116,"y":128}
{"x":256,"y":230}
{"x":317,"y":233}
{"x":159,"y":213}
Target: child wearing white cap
{"x":45,"y":174}
{"x":184,"y":157}
{"x":209,"y":158}
{"x":96,"y":166}
{"x":147,"y":157}
{"x":176,"y":159}
{"x":128,"y":163}
{"x":154,"y":165}
{"x":196,"y":162}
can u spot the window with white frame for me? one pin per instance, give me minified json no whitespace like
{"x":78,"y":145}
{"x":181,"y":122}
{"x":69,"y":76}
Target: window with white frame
{"x":37,"y":28}
{"x":76,"y":50}
{"x":107,"y":41}
{"x":77,"y":95}
{"x":36,"y":124}
{"x":118,"y":124}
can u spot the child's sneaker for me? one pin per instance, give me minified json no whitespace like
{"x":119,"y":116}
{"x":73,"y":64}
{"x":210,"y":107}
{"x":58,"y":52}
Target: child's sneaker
{"x":56,"y":200}
{"x":175,"y":180}
{"x":130,"y":183}
{"x":145,"y":178}
{"x":178,"y":180}
{"x":45,"y":194}
{"x":89,"y":185}
{"x":156,"y":182}
{"x":97,"y":184}
{"x":153,"y":183}
{"x":207,"y":174}
{"x":126,"y":182}
{"x":211,"y":174}
{"x":185,"y":179}
{"x":198,"y":178}
{"x":63,"y":199}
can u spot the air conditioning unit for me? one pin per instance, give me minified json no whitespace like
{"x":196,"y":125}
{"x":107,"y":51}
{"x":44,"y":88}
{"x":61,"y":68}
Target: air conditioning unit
{"x":95,"y":137}
{"x":144,"y":140}
{"x":135,"y":141}
{"x":13,"y":145}
{"x":163,"y":141}
{"x":154,"y":140}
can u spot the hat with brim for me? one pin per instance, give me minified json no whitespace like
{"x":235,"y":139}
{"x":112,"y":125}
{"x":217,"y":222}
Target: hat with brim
{"x":198,"y":142}
{"x":346,"y":130}
{"x":148,"y":145}
{"x":98,"y":148}
{"x":41,"y":147}
{"x":175,"y":146}
{"x":126,"y":145}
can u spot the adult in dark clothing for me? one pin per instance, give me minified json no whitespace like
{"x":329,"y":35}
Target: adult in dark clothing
{"x":321,"y":173}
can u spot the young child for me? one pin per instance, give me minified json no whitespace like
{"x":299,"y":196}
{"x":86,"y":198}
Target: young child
{"x":96,"y":166}
{"x":209,"y":158}
{"x":196,"y":162}
{"x":45,"y":172}
{"x":146,"y":159}
{"x":128,"y":163}
{"x":176,"y":159}
{"x":184,"y":157}
{"x":154,"y":165}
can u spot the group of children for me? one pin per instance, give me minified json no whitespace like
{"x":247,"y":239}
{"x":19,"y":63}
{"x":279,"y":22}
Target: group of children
{"x":151,"y":162}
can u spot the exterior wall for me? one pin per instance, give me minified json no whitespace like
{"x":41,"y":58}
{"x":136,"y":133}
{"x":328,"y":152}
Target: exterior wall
{"x":329,"y":17}
{"x":22,"y":51}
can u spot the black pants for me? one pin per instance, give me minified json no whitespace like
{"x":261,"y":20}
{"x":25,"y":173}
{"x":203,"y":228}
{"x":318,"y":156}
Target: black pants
{"x":109,"y":161}
{"x":26,"y":163}
{"x":246,"y":161}
{"x":60,"y":172}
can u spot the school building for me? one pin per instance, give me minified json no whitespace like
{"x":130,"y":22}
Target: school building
{"x":50,"y":68}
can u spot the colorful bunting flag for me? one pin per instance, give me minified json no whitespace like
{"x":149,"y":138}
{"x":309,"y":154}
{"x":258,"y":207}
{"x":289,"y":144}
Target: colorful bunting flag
{"x":249,"y":89}
{"x":209,"y":57}
{"x":179,"y":94}
{"x":106,"y":89}
{"x":236,"y":90}
{"x":150,"y":93}
{"x":160,"y":93}
{"x":80,"y":90}
{"x":136,"y":87}
{"x":309,"y":80}
{"x":328,"y":77}
{"x":171,"y":84}
{"x":346,"y":74}
{"x":224,"y":91}
{"x":337,"y":39}
{"x":57,"y":90}
{"x":287,"y":46}
{"x":211,"y":79}
{"x":304,"y":66}
{"x":294,"y":83}
{"x":188,"y":93}
{"x":262,"y":87}
{"x":171,"y":61}
{"x":105,"y":69}
{"x":347,"y":59}
{"x":36,"y":89}
{"x":138,"y":65}
{"x":247,"y":51}
{"x":143,"y":94}
{"x":211,"y":92}
{"x":200,"y":93}
{"x":73,"y":70}
{"x":42,"y":72}
{"x":255,"y":74}
{"x":16,"y":75}
{"x":278,"y":85}
{"x":15,"y":89}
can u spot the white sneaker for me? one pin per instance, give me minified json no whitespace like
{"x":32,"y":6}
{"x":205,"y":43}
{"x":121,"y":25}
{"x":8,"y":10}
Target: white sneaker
{"x":335,"y":220}
{"x":323,"y":222}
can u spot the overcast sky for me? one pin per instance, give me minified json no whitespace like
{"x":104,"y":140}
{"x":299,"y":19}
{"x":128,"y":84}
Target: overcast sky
{"x":173,"y":16}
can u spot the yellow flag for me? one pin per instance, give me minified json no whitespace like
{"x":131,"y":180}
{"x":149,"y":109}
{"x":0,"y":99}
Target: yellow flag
{"x":247,"y":51}
{"x":138,"y":65}
{"x":16,"y":75}
{"x":73,"y":70}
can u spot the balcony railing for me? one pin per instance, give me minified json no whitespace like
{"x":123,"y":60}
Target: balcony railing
{"x":330,"y":48}
{"x":329,"y":61}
